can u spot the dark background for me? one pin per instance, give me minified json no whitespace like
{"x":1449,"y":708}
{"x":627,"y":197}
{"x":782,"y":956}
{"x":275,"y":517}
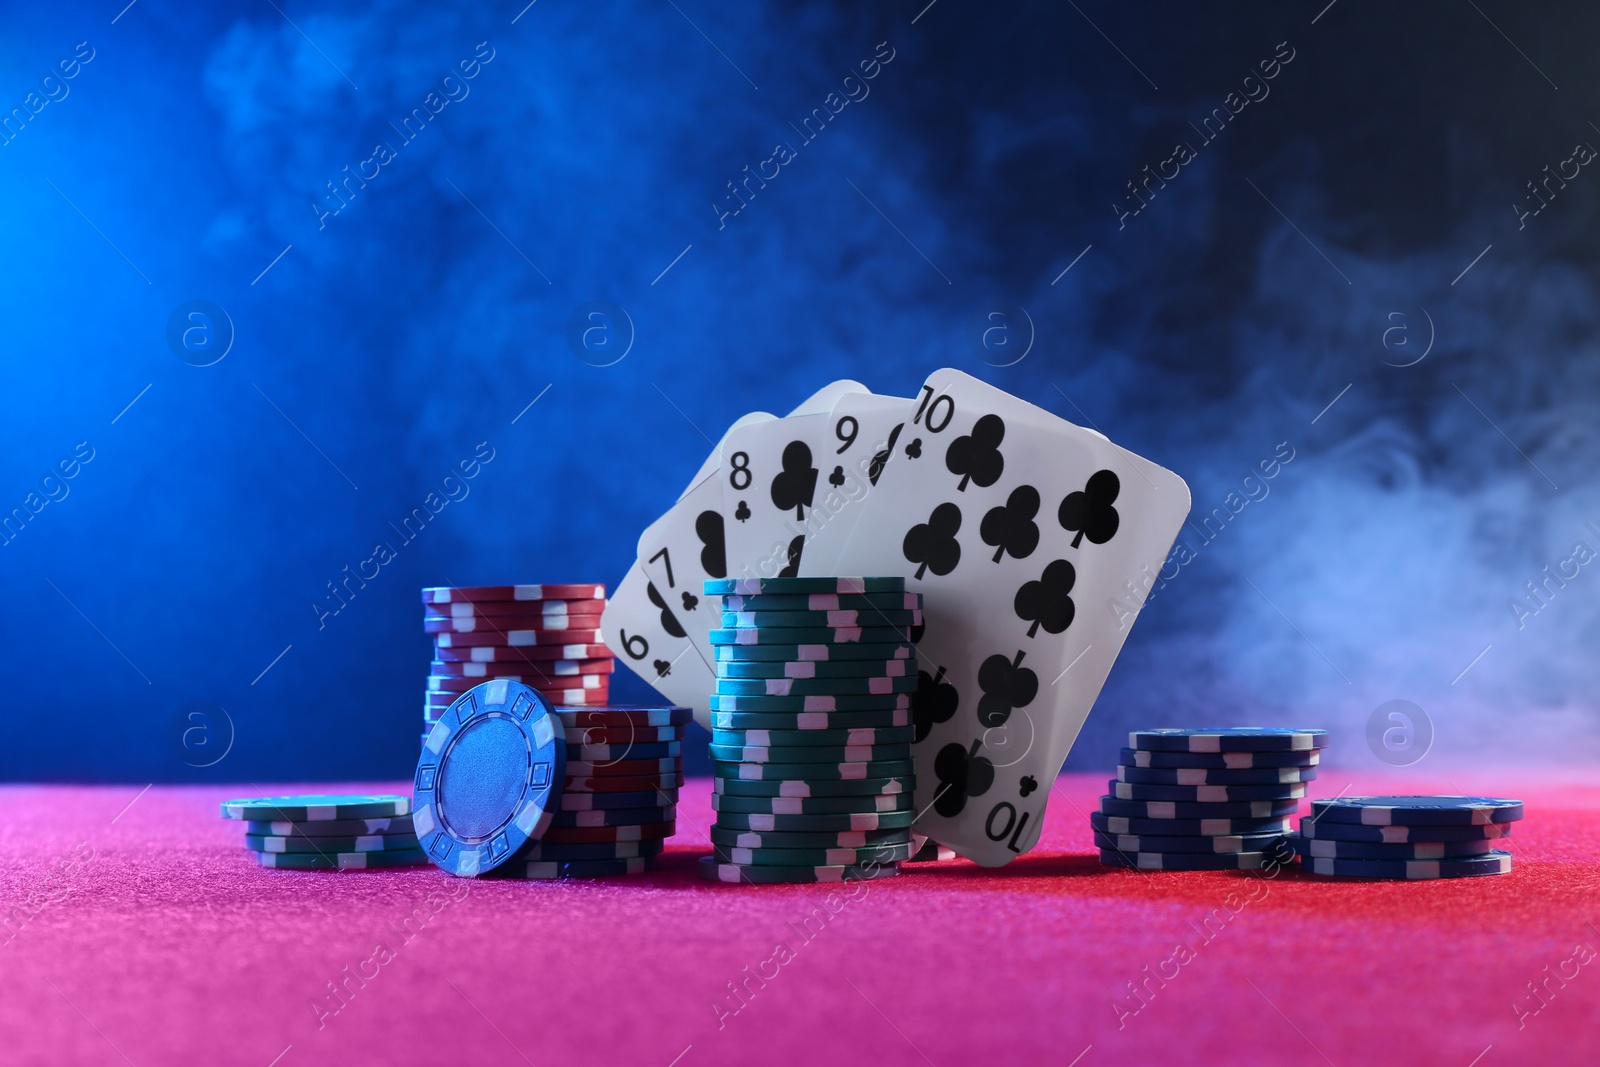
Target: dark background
{"x":1310,"y":254}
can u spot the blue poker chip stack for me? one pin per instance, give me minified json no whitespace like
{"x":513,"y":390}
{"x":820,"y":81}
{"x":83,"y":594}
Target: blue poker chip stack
{"x":1407,"y":838}
{"x":812,"y":730}
{"x":1205,"y":799}
{"x":328,"y":833}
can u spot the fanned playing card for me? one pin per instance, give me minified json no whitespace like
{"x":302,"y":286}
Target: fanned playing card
{"x":687,"y":545}
{"x":1033,"y":542}
{"x":863,"y":430}
{"x":776,"y":480}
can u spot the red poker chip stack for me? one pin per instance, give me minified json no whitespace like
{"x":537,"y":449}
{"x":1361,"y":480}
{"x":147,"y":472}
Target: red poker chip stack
{"x":544,"y":636}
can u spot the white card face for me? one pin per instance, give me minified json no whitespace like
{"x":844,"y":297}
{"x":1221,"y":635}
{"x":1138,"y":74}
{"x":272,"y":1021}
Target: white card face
{"x":862,"y":430}
{"x":641,"y":628}
{"x":1020,"y":530}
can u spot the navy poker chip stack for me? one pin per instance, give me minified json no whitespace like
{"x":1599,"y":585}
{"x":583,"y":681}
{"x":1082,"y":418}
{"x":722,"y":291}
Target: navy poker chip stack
{"x":1205,"y":799}
{"x":1407,"y":838}
{"x":811,"y":729}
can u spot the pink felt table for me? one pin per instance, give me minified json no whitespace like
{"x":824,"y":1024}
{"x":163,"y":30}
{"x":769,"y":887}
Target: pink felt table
{"x":141,"y":933}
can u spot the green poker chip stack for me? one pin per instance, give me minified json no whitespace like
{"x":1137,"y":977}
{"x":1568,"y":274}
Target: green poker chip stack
{"x":812,"y":748}
{"x":328,"y":833}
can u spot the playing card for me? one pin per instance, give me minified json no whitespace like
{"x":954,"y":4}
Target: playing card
{"x":639,"y":626}
{"x":687,"y":545}
{"x":777,"y":480}
{"x":863,"y":429}
{"x":1033,"y":542}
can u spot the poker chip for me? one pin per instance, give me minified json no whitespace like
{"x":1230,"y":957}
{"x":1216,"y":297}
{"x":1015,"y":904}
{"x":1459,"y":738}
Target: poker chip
{"x":815,"y":702}
{"x":812,"y":772}
{"x":933,"y":852}
{"x":1323,"y":830}
{"x":790,"y":636}
{"x":811,"y":805}
{"x":823,"y":602}
{"x":799,"y":687}
{"x":531,"y":609}
{"x":317,"y":807}
{"x":890,"y":820}
{"x":583,"y":869}
{"x":621,"y":783}
{"x":1196,"y":843}
{"x":843,"y":619}
{"x":814,"y":669}
{"x":626,"y":751}
{"x":622,"y":735}
{"x":814,"y":720}
{"x":505,"y":629}
{"x":811,"y":766}
{"x":1209,"y":794}
{"x":807,"y":839}
{"x":897,"y":852}
{"x":614,"y":801}
{"x":445,"y":683}
{"x":1210,"y":776}
{"x":326,"y":845}
{"x":551,"y":668}
{"x":753,"y":874}
{"x":1229,"y":739}
{"x":1177,"y":809}
{"x":1136,"y":757}
{"x":601,"y":850}
{"x":341,"y":861}
{"x":617,"y":715}
{"x":624,"y":768}
{"x":815,"y":652}
{"x":615,"y":816}
{"x":459,"y":650}
{"x":1371,"y":850}
{"x":888,"y":735}
{"x":489,"y":778}
{"x":1187,"y":861}
{"x":651,"y":832}
{"x":805,"y":586}
{"x":1490,"y":863}
{"x":1117,"y":824}
{"x":1417,"y":810}
{"x":449,"y":594}
{"x":811,"y":754}
{"x":570,"y":642}
{"x":844,"y":787}
{"x":330,"y":827}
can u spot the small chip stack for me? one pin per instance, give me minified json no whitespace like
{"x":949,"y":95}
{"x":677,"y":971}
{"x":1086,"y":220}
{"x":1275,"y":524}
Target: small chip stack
{"x":511,"y":784}
{"x":1407,"y":838}
{"x":544,"y":636}
{"x":811,"y":729}
{"x":328,"y":833}
{"x":1205,"y":800}
{"x":619,"y":801}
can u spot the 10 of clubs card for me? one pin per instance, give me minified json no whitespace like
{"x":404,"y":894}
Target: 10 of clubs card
{"x":1020,"y":530}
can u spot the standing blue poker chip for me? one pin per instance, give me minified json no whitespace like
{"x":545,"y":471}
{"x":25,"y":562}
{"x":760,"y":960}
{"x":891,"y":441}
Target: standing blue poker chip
{"x":489,"y":778}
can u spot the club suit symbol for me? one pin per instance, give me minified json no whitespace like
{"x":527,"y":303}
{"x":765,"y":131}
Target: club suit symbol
{"x":962,"y":773}
{"x":795,"y":485}
{"x":976,"y":456}
{"x":1047,"y":601}
{"x":932,"y":545}
{"x":1007,"y":685}
{"x":1089,"y":512}
{"x":669,"y":621}
{"x":1009,"y":527}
